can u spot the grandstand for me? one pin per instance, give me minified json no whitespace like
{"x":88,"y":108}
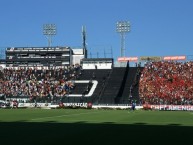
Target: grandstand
{"x":61,"y":74}
{"x":168,"y":82}
{"x":43,"y":56}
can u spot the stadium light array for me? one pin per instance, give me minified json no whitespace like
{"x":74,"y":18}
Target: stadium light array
{"x":49,"y":30}
{"x":123,"y":27}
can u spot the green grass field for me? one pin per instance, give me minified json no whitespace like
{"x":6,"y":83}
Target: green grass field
{"x":82,"y":126}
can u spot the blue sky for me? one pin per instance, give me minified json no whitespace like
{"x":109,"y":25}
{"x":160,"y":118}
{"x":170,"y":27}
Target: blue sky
{"x":158,"y":27}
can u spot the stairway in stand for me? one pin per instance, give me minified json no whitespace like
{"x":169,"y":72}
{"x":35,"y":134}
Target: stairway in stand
{"x":127,"y":87}
{"x":113,"y":86}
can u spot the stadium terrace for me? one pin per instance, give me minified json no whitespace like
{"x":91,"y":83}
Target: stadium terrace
{"x":55,"y":75}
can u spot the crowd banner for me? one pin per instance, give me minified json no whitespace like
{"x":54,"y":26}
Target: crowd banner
{"x":130,"y":59}
{"x":150,"y":58}
{"x":174,"y":58}
{"x":173,"y":107}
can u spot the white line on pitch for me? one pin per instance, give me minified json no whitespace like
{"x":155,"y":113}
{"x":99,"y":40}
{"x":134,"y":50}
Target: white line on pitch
{"x":63,"y":115}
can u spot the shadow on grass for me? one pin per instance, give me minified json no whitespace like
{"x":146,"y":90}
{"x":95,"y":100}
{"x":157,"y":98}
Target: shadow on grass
{"x":52,"y":133}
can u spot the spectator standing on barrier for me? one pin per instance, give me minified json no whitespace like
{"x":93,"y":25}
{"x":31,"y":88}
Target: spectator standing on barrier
{"x":133,"y":105}
{"x":35,"y":103}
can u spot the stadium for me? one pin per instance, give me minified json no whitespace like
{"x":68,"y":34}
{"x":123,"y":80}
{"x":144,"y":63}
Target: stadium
{"x":49,"y":76}
{"x":82,"y":81}
{"x":60,"y":93}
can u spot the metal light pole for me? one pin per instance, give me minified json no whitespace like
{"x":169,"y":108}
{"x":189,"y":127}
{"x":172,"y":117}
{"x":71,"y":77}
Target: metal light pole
{"x":123,"y":27}
{"x":84,"y":41}
{"x":49,"y":30}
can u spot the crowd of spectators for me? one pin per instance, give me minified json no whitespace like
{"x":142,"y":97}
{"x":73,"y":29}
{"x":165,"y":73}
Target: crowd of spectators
{"x":167,"y":83}
{"x":38,"y":83}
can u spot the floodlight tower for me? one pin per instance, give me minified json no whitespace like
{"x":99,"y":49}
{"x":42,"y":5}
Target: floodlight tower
{"x":49,"y":30}
{"x":123,"y":27}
